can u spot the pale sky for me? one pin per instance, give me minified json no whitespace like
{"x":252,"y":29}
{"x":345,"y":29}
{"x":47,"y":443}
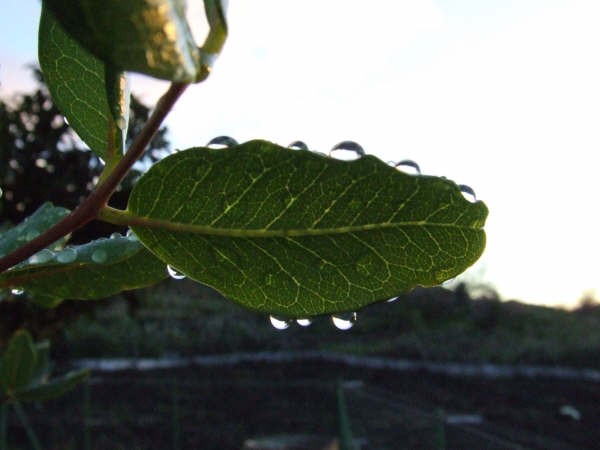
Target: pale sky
{"x":501,"y":95}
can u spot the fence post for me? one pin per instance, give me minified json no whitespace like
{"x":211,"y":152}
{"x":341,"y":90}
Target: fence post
{"x":175,"y":419}
{"x":87,"y":441}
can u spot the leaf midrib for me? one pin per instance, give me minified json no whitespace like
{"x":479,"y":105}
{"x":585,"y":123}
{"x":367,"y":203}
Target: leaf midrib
{"x":119,"y":217}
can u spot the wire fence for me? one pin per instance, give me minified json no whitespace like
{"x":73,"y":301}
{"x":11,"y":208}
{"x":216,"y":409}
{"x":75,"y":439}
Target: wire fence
{"x":178,"y":410}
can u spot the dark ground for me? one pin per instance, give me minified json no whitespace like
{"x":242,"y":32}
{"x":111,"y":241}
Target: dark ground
{"x":220,"y":408}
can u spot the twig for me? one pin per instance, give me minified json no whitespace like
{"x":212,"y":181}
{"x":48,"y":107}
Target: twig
{"x":89,"y":208}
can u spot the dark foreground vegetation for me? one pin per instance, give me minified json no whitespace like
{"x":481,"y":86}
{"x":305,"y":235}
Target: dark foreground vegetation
{"x":223,"y":406}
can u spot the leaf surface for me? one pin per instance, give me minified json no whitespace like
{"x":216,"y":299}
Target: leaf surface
{"x":147,"y":36}
{"x":93,"y":96}
{"x":42,"y":219}
{"x":18,"y":361}
{"x":294,"y":233}
{"x":95,"y":270}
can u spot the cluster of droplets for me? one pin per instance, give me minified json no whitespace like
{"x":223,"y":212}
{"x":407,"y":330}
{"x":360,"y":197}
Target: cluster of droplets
{"x":341,"y":321}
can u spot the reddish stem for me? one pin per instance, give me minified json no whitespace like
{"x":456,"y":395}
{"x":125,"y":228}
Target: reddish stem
{"x":89,"y":208}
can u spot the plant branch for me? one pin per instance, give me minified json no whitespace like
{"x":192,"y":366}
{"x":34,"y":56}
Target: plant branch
{"x":89,"y":208}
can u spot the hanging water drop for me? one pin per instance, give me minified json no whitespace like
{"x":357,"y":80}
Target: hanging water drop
{"x":121,"y":123}
{"x":468,"y":192}
{"x":17,"y":291}
{"x":41,"y":257}
{"x":279,"y":324}
{"x":408,"y":166}
{"x":344,"y":321}
{"x":222,"y":142}
{"x":67,"y":255}
{"x":174,"y":273}
{"x":298,"y":145}
{"x":347,"y":151}
{"x":304,"y":322}
{"x":99,"y":256}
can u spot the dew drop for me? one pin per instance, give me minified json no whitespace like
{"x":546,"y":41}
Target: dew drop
{"x":222,"y":142}
{"x":115,"y":235}
{"x":347,"y":151}
{"x":392,"y":300}
{"x":468,"y":192}
{"x":279,"y":324}
{"x":99,"y":256}
{"x":344,"y":321}
{"x":304,"y":322}
{"x":31,"y":234}
{"x":41,"y":257}
{"x":408,"y":166}
{"x":67,"y":255}
{"x":174,"y":273}
{"x":121,"y":123}
{"x":17,"y":291}
{"x":298,"y":145}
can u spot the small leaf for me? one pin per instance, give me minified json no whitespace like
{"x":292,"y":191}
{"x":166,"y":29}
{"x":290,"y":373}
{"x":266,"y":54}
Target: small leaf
{"x":18,"y":362}
{"x":296,"y":234}
{"x":42,"y":219}
{"x":93,"y":96}
{"x":147,"y":36}
{"x":95,"y":270}
{"x":53,"y":388}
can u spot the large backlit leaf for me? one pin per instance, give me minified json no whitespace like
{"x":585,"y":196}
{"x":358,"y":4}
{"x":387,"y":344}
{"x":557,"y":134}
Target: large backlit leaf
{"x":298,"y":234}
{"x":95,"y":270}
{"x":147,"y":36}
{"x":42,"y":219}
{"x":18,"y":361}
{"x":92,"y":95}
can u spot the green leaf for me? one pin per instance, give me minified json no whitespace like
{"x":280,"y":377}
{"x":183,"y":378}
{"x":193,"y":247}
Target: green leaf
{"x":295,"y":233}
{"x":147,"y":36}
{"x":95,"y":270}
{"x":42,"y":219}
{"x":18,"y":362}
{"x":93,"y":96}
{"x":53,"y":388}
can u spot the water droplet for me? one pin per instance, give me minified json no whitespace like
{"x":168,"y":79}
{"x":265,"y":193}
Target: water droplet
{"x":17,"y":291}
{"x":41,"y":257}
{"x":66,"y":121}
{"x":468,"y":192}
{"x":344,"y":321}
{"x":408,"y":166}
{"x":279,"y":324}
{"x":347,"y":151}
{"x":131,"y":235}
{"x":67,"y":255}
{"x":304,"y":322}
{"x":116,"y":235}
{"x":121,"y":123}
{"x":222,"y":142}
{"x":298,"y":145}
{"x":31,"y":234}
{"x":99,"y":256}
{"x":392,"y":300}
{"x":174,"y":273}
